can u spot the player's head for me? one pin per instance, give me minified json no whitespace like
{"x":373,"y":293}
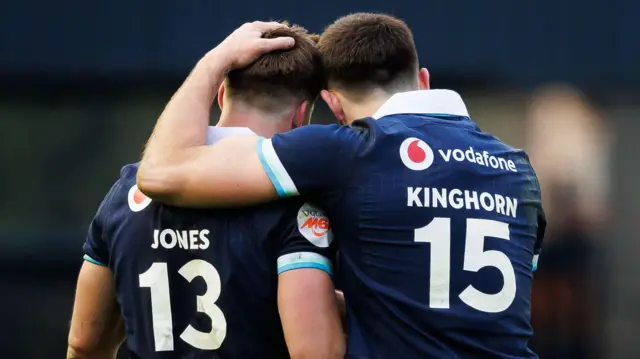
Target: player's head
{"x":280,"y":86}
{"x":367,"y":58}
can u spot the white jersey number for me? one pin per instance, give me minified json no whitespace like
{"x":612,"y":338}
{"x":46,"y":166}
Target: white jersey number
{"x":438,"y":233}
{"x":156,"y":279}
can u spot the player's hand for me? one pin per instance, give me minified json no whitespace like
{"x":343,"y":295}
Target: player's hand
{"x":246,"y":44}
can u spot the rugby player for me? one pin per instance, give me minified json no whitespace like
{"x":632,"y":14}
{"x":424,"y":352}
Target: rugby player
{"x":439,"y":223}
{"x":217,"y":283}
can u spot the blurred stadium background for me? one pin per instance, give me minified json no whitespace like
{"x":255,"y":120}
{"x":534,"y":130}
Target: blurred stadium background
{"x":81,"y":84}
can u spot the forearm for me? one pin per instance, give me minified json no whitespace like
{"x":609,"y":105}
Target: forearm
{"x":99,"y":346}
{"x":321,"y":350}
{"x":318,"y":345}
{"x":182,"y":126}
{"x":97,"y":329}
{"x":73,"y":353}
{"x":309,"y":315}
{"x":183,"y":123}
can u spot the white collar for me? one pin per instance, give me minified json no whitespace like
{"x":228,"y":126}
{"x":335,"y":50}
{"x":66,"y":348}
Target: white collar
{"x":215,"y":133}
{"x":441,"y":102}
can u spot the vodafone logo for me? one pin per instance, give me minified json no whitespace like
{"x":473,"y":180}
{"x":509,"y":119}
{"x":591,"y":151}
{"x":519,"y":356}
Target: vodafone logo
{"x":416,"y":154}
{"x":137,"y":200}
{"x":313,"y":224}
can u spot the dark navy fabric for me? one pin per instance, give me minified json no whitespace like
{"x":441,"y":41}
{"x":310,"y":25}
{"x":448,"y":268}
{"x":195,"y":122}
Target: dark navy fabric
{"x":435,"y":262}
{"x":206,"y":259}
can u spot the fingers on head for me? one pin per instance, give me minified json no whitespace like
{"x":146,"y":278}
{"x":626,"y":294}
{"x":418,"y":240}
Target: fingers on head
{"x":278,"y":43}
{"x":266,"y":26}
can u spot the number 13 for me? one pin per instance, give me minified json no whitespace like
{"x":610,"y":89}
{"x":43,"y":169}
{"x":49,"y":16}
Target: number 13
{"x":156,"y":279}
{"x":438,"y":233}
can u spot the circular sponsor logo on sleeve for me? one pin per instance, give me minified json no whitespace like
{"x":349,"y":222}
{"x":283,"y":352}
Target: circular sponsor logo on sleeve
{"x":416,"y":154}
{"x":137,"y":200}
{"x":314,"y":225}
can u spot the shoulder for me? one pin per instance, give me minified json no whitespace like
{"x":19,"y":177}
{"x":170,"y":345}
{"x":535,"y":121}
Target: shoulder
{"x":129,"y":171}
{"x":278,"y":212}
{"x":525,"y":164}
{"x":297,"y":214}
{"x":327,"y":134}
{"x":124,"y":195}
{"x":521,"y":159}
{"x":126,"y":192}
{"x":302,"y":219}
{"x":299,"y":210}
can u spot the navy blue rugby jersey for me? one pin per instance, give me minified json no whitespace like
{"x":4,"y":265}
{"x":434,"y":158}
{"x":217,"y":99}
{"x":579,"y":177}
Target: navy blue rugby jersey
{"x":439,"y":223}
{"x":203,"y":283}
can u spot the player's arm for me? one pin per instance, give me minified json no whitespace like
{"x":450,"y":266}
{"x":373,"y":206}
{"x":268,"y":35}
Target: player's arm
{"x":228,"y":173}
{"x":97,"y":330}
{"x":309,"y":314}
{"x":306,"y":296}
{"x":246,"y":170}
{"x":179,"y":137}
{"x":96,"y":326}
{"x":177,"y":168}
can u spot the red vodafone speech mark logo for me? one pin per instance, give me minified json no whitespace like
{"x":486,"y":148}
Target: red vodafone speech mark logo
{"x":137,"y":200}
{"x":139,"y":197}
{"x":416,"y":154}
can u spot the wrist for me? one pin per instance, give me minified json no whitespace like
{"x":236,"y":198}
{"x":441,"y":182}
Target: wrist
{"x":210,"y":71}
{"x":215,"y":62}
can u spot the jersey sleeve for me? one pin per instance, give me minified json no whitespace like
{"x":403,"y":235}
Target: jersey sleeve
{"x":307,"y":241}
{"x":95,"y":247}
{"x":309,"y":158}
{"x":542,"y":227}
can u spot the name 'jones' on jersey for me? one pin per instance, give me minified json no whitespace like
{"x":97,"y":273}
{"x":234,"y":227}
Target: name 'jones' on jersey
{"x":183,"y":239}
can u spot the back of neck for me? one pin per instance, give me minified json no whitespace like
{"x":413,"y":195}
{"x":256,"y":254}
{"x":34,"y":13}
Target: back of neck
{"x":262,"y":126}
{"x":364,"y":107}
{"x":368,"y":105}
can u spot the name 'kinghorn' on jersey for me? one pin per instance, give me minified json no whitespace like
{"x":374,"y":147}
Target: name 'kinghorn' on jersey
{"x":457,"y":199}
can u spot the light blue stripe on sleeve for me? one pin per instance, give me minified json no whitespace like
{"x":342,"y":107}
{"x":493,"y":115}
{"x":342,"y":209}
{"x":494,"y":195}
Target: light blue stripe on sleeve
{"x":89,"y":259}
{"x":275,"y":170}
{"x":303,"y":265}
{"x":302,"y":260}
{"x":535,"y":262}
{"x":267,"y":169}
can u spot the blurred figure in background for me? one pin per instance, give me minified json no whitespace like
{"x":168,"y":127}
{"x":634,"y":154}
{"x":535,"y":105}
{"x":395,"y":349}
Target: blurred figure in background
{"x":569,"y":145}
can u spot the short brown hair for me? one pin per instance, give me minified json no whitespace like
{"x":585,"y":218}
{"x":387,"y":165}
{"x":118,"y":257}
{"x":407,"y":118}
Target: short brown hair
{"x":363,"y":50}
{"x":295,"y":73}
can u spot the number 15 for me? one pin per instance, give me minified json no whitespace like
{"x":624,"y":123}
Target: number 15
{"x":438,"y":233}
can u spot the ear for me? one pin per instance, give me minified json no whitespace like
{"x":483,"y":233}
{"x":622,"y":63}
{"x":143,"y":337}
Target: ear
{"x":423,"y":79}
{"x":334,"y":104}
{"x":302,"y":115}
{"x":221,"y":95}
